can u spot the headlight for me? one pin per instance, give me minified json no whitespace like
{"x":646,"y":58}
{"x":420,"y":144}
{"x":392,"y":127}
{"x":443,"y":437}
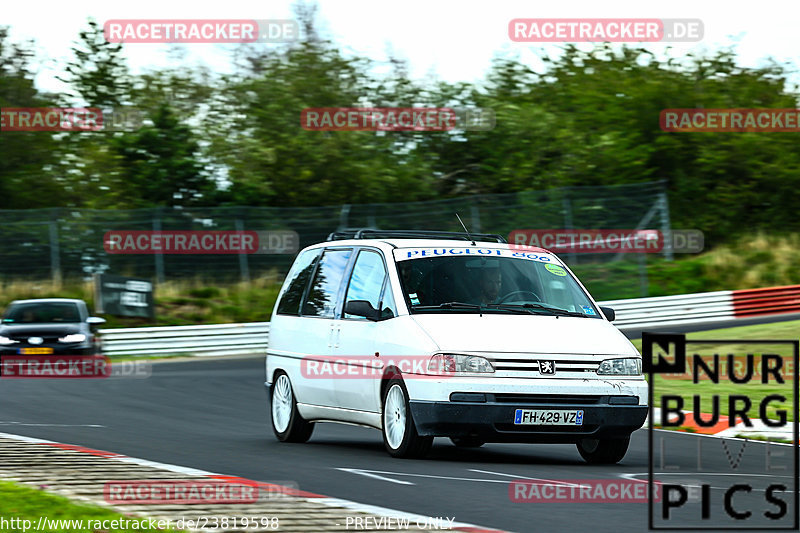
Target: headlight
{"x":75,"y":337}
{"x":631,"y":366}
{"x":448,"y":363}
{"x":5,"y":341}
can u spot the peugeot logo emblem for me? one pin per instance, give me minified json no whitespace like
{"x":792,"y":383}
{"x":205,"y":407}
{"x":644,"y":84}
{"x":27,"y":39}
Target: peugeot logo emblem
{"x":547,"y":367}
{"x":35,"y":340}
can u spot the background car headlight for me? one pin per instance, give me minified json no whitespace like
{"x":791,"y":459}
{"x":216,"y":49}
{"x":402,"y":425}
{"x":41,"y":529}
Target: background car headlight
{"x":630,"y":366}
{"x":448,"y":363}
{"x":5,"y":341}
{"x":75,"y":337}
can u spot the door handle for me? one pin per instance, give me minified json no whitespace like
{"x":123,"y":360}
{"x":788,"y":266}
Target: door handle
{"x":337,"y":334}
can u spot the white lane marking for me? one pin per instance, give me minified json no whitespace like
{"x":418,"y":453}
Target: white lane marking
{"x":27,"y":424}
{"x":374,"y":476}
{"x":689,"y":475}
{"x":23,"y":438}
{"x":717,"y":436}
{"x":164,"y":466}
{"x":526,"y":478}
{"x":329,"y":502}
{"x":430,"y":476}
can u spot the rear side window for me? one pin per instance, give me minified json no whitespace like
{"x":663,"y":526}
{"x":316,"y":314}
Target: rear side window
{"x":297,"y":281}
{"x":367,"y":280}
{"x":321,"y":299}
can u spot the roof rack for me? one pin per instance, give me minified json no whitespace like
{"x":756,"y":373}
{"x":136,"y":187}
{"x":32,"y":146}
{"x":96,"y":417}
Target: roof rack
{"x":371,"y":233}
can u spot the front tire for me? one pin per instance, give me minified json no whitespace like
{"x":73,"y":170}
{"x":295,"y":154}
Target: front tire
{"x":287,"y":423}
{"x":400,"y":436}
{"x":603,"y":451}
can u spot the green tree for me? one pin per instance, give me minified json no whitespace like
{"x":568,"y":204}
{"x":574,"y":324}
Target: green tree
{"x":160,"y":165}
{"x":27,"y":178}
{"x":271,"y":160}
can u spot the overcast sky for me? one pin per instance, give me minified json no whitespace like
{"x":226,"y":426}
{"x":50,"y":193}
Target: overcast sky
{"x":453,"y":40}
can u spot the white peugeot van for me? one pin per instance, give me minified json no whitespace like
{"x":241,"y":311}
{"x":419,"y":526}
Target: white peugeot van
{"x":433,"y":334}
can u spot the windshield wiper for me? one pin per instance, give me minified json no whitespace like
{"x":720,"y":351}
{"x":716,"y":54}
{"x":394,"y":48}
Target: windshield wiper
{"x":461,"y":305}
{"x":531,"y":306}
{"x":449,"y":305}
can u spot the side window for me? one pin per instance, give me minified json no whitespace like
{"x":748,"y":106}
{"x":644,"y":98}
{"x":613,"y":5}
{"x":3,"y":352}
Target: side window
{"x":367,"y":279}
{"x":388,"y":307}
{"x":297,"y":281}
{"x":321,"y":300}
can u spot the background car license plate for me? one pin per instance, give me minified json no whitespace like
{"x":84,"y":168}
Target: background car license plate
{"x":548,"y":417}
{"x":35,"y":351}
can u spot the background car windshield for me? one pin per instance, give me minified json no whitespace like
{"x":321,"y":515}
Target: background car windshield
{"x":486,"y":281}
{"x":42,"y":313}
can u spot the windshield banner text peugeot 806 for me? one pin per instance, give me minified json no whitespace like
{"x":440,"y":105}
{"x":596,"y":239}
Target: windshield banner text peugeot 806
{"x":514,"y":349}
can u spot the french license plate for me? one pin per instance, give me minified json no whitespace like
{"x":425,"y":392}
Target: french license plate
{"x":548,"y":417}
{"x":35,"y":351}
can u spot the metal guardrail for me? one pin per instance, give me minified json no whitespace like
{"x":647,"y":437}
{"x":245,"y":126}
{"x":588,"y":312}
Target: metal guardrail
{"x":672,"y":310}
{"x":252,"y":338}
{"x":216,"y":339}
{"x":769,"y":301}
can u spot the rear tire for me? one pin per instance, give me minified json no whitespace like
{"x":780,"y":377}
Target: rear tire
{"x":467,"y":442}
{"x":603,"y":451}
{"x":287,"y":423}
{"x":400,"y":437}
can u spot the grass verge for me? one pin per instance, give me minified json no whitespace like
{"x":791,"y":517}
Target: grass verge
{"x":19,"y":504}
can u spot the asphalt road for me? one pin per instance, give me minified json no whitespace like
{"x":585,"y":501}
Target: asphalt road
{"x":213,"y":415}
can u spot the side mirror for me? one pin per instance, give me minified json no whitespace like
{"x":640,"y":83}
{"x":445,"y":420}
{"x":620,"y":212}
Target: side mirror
{"x":95,"y":320}
{"x":362,"y":308}
{"x":610,"y":314}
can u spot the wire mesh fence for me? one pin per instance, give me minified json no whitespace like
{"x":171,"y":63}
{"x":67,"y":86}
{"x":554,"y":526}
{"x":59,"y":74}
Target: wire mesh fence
{"x":69,"y":243}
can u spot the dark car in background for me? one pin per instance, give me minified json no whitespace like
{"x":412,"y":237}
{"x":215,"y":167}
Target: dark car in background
{"x":49,"y":326}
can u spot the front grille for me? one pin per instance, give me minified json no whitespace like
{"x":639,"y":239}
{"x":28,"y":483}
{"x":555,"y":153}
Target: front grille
{"x":548,"y":399}
{"x":24,"y":339}
{"x":532,"y":365}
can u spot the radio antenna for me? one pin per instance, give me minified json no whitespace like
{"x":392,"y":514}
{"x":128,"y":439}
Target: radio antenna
{"x":466,"y":230}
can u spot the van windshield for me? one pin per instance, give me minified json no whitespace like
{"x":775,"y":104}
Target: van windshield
{"x":475,"y":280}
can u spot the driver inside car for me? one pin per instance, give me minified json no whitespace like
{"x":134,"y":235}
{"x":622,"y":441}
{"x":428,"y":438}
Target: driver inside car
{"x":490,"y":283}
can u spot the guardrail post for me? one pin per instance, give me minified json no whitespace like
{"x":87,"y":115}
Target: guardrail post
{"x":55,"y":253}
{"x":159,"y":258}
{"x":644,"y":282}
{"x":666,"y":227}
{"x":244,"y":268}
{"x":343,"y":216}
{"x":567,"y":204}
{"x":476,"y":218}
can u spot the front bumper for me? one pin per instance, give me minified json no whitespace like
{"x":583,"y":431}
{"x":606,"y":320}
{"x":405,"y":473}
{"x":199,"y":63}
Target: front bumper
{"x":493,"y":421}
